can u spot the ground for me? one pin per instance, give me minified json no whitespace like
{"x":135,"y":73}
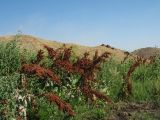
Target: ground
{"x":134,"y":111}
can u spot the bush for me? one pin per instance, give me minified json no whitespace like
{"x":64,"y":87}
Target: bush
{"x":9,"y":76}
{"x":9,"y":58}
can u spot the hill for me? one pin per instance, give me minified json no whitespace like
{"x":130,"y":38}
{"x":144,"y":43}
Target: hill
{"x":147,"y":52}
{"x":34,"y":43}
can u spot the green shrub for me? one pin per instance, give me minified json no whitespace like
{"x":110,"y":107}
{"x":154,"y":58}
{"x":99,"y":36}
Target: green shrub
{"x":9,"y":58}
{"x":8,"y":92}
{"x":9,"y":76}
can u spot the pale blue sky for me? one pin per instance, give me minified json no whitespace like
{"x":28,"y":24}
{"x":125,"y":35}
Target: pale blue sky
{"x":125,"y":24}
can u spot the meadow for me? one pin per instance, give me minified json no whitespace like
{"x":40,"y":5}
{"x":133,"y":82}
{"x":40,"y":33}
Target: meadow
{"x":57,"y":85}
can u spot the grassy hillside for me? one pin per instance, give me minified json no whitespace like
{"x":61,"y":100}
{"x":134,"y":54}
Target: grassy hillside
{"x":147,"y":52}
{"x":34,"y":44}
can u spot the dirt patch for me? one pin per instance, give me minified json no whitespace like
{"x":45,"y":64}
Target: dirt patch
{"x":134,"y":111}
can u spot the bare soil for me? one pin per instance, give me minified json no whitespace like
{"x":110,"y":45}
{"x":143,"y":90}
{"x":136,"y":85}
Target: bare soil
{"x":134,"y":111}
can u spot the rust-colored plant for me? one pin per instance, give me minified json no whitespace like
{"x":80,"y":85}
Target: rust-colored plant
{"x":83,"y":66}
{"x":88,"y":77}
{"x":127,"y":85}
{"x":91,"y":94}
{"x":61,"y":58}
{"x":40,"y":72}
{"x":126,"y":56}
{"x":40,"y":56}
{"x":62,"y":105}
{"x":51,"y":52}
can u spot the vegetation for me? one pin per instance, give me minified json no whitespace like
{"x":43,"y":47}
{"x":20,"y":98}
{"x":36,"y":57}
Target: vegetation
{"x":54,"y":84}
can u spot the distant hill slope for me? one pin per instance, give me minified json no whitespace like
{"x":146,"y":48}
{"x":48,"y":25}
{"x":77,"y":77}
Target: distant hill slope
{"x":147,"y":52}
{"x":33,"y":43}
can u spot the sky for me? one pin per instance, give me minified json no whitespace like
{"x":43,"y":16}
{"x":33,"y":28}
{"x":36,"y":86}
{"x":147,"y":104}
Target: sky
{"x":124,"y":24}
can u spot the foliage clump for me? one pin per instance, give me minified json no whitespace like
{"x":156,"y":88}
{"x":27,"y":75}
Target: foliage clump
{"x":61,"y":60}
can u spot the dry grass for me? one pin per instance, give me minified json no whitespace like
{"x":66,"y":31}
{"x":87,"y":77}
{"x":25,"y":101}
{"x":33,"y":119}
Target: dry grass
{"x":147,"y":52}
{"x":35,"y":44}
